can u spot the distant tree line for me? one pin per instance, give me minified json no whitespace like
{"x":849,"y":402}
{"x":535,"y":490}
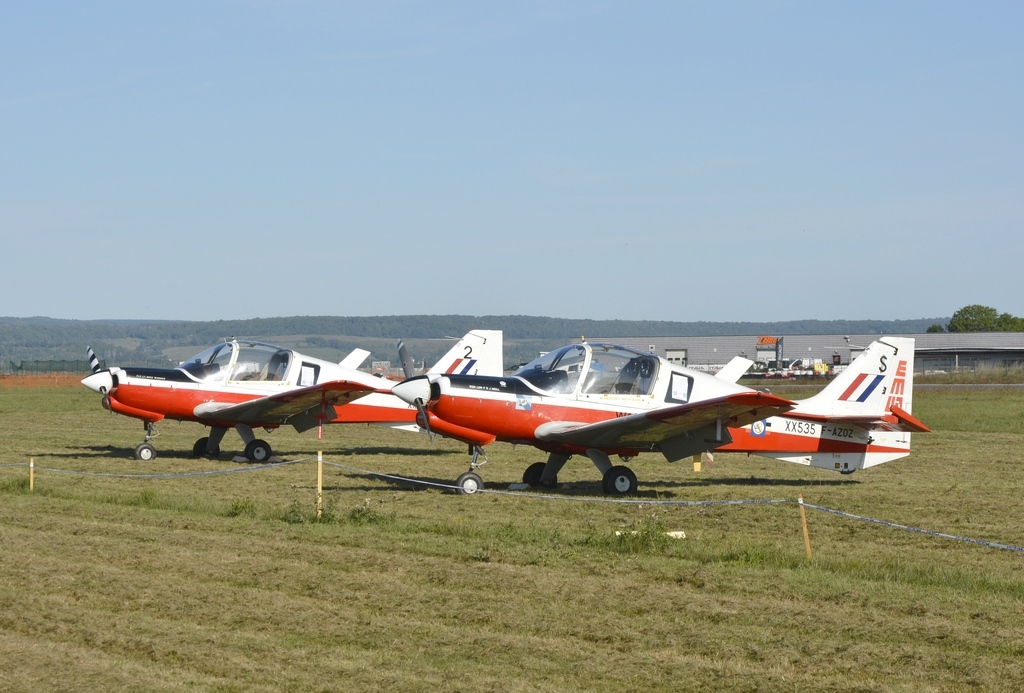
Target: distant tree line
{"x":138,"y":342}
{"x":978,"y":318}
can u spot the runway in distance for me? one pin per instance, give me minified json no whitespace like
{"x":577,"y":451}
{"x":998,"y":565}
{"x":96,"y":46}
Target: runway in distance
{"x":603,"y":400}
{"x":245,"y":384}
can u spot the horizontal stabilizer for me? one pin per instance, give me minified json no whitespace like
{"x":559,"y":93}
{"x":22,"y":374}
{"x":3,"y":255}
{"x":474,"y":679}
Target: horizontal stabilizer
{"x":906,"y":422}
{"x":894,"y":420}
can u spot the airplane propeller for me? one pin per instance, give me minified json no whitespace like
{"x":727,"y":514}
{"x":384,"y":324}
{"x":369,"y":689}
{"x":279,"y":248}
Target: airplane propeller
{"x":94,"y":363}
{"x":403,"y":356}
{"x":99,"y":380}
{"x":413,"y":390}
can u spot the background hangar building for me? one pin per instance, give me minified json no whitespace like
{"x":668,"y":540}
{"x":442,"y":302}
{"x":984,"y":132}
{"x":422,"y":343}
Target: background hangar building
{"x":941,"y":351}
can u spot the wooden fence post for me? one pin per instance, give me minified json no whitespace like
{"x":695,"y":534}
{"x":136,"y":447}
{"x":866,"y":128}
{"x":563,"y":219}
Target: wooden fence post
{"x":803,"y":521}
{"x":319,"y":484}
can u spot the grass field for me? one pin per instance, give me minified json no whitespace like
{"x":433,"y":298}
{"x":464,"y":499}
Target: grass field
{"x":229,"y":583}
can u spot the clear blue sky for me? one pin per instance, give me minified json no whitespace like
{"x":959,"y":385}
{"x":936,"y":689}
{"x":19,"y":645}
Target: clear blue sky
{"x":637,"y":160}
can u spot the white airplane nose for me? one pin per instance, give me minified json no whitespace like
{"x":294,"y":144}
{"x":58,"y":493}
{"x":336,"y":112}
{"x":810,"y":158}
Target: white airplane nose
{"x":413,"y":390}
{"x":100,"y":381}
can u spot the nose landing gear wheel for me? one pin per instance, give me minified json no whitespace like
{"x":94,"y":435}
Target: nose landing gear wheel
{"x":145,"y":452}
{"x":469,"y":483}
{"x":619,"y":481}
{"x":258,"y":451}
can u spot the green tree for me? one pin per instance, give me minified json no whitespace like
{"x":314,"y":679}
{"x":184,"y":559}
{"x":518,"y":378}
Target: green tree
{"x":977,"y":318}
{"x":934,"y":328}
{"x":1009,"y":323}
{"x":973,"y":318}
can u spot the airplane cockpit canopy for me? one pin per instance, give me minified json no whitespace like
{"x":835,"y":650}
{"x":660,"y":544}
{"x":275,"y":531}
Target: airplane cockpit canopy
{"x":238,"y":361}
{"x":210,"y":365}
{"x":616,"y":370}
{"x":602,"y":369}
{"x":556,"y":371}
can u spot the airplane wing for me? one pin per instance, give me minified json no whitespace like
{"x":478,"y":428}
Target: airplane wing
{"x":668,"y":429}
{"x":300,"y":408}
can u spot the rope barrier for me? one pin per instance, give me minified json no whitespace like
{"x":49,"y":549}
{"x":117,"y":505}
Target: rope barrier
{"x":591,"y":499}
{"x":547,"y":496}
{"x":932,"y":533}
{"x":540,"y":496}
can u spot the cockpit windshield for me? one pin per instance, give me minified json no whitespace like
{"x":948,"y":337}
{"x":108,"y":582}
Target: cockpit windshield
{"x":616,"y":370}
{"x":254,"y":362}
{"x":556,"y":371}
{"x":210,"y":365}
{"x":260,"y":362}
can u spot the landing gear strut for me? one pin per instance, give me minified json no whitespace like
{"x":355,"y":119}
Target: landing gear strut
{"x":209,"y":447}
{"x":545,"y":473}
{"x":144,"y":451}
{"x":256,"y":450}
{"x":470,"y":482}
{"x":616,"y":480}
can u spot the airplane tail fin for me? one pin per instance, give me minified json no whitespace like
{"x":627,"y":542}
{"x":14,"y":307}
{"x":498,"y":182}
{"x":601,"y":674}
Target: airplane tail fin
{"x":735,"y":369}
{"x":477,"y":353}
{"x":878,"y":380}
{"x":861,"y":419}
{"x":354,"y":359}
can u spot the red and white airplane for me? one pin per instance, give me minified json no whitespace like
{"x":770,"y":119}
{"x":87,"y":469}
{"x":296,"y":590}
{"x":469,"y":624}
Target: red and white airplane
{"x":600,"y":400}
{"x":244,"y":385}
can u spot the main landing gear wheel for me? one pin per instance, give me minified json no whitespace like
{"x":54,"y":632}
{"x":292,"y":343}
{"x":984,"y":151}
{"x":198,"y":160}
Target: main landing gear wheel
{"x":258,"y":451}
{"x":619,"y":481}
{"x":531,"y":477}
{"x":199,"y":449}
{"x":469,"y":483}
{"x":145,"y":452}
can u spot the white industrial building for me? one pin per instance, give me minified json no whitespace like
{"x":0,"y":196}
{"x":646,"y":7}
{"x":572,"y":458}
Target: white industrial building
{"x":933,"y":351}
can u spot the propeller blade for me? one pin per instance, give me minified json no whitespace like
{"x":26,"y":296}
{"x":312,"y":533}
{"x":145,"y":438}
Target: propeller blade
{"x":422,"y":417}
{"x":94,"y":363}
{"x":403,"y":356}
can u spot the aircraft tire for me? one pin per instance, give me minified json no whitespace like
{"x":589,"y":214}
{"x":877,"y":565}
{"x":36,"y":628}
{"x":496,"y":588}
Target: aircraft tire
{"x":531,"y":477}
{"x":619,"y":481}
{"x":145,"y":452}
{"x":469,"y":483}
{"x":258,"y":451}
{"x":199,"y":449}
